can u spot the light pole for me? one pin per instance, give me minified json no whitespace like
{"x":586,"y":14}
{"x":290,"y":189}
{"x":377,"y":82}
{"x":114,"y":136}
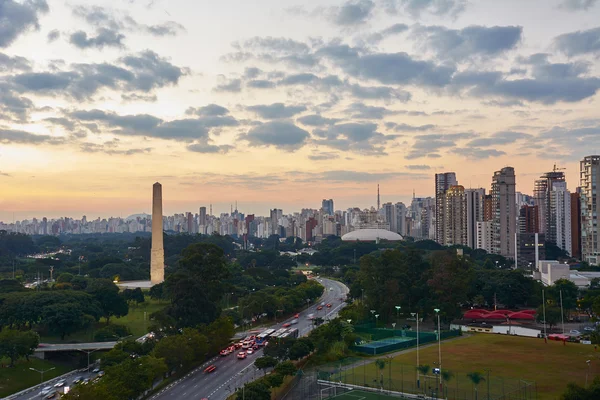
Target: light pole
{"x":376,"y":319}
{"x":589,"y":362}
{"x":88,"y":352}
{"x":488,"y":383}
{"x":397,"y":312}
{"x":562,"y":318}
{"x":418,"y":380}
{"x":544,"y":310}
{"x":437,"y":311}
{"x":42,"y":372}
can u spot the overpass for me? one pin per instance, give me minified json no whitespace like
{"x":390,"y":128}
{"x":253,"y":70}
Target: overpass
{"x":41,"y":350}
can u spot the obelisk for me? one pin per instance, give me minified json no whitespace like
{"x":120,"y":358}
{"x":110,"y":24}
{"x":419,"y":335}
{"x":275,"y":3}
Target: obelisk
{"x":157,"y":254}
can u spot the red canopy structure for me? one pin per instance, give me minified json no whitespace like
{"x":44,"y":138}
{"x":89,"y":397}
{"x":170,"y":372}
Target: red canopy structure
{"x":479,"y":310}
{"x":558,"y":337}
{"x":494,"y":315}
{"x":505,"y":312}
{"x":521,"y":315}
{"x":532,"y":312}
{"x":474,"y":315}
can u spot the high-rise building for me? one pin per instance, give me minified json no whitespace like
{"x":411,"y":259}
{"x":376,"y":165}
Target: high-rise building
{"x":560,"y":206}
{"x":327,"y":206}
{"x":400,"y":209}
{"x":455,"y":216}
{"x":528,"y":219}
{"x":531,"y":250}
{"x":443,"y":182}
{"x":475,"y":214}
{"x":389,"y":213}
{"x":590,"y":208}
{"x":484,"y":236}
{"x":311,"y":224}
{"x":575,"y":225}
{"x":157,"y":252}
{"x":45,"y":226}
{"x":488,"y":208}
{"x":504,"y":221}
{"x":202,"y":222}
{"x":542,"y":193}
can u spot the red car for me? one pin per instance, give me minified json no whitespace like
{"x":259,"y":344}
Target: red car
{"x":210,"y":369}
{"x":320,"y":308}
{"x":296,"y":316}
{"x":241,"y":355}
{"x":286,"y":325}
{"x":328,"y":305}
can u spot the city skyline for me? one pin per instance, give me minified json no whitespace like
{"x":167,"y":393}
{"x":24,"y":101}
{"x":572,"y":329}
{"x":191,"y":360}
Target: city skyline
{"x":277,"y":101}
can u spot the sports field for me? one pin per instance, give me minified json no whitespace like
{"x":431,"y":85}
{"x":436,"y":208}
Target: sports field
{"x":514,"y":364}
{"x":362,"y":395}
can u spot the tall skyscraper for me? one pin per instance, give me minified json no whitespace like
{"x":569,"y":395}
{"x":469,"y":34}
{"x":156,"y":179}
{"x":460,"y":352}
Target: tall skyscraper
{"x":327,"y":206}
{"x":202,"y":222}
{"x":455,"y":216}
{"x":504,"y":221}
{"x":389,"y":212}
{"x":542,"y":193}
{"x":576,"y":225}
{"x":443,"y":182}
{"x":157,"y":253}
{"x":400,"y":210}
{"x":528,"y":219}
{"x":475,"y":213}
{"x":560,"y":206}
{"x":589,"y":169}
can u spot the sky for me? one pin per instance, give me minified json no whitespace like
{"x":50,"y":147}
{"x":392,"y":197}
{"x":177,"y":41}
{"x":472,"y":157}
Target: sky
{"x":282,"y":103}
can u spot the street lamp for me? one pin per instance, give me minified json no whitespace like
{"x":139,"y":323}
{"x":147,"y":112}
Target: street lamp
{"x":42,"y":372}
{"x":589,"y":362}
{"x":88,"y":354}
{"x":397,"y":312}
{"x":349,"y":321}
{"x":418,"y":380}
{"x":376,"y":319}
{"x":437,"y":311}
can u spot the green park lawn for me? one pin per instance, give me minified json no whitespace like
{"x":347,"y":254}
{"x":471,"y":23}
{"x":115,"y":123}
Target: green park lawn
{"x":134,"y":320}
{"x":509,"y":359}
{"x":20,"y":377}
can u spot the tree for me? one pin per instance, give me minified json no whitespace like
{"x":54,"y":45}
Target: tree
{"x":476,"y":378}
{"x":15,"y":344}
{"x":107,"y":294}
{"x":257,"y":390}
{"x":10,"y":285}
{"x":569,"y":293}
{"x":300,"y":349}
{"x":65,"y":318}
{"x":65,"y":277}
{"x":552,"y":315}
{"x":175,"y":351}
{"x":274,"y":380}
{"x":576,"y":392}
{"x":286,"y":368}
{"x":265,"y":362}
{"x":157,"y":292}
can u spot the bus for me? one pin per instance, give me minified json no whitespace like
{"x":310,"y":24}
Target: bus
{"x":279,"y":332}
{"x":290,"y":334}
{"x":265,"y":334}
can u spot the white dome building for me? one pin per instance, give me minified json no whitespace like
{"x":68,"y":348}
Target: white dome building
{"x":371,"y":235}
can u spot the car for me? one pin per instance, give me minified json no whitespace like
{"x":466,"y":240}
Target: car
{"x":296,"y":316}
{"x":249,"y":351}
{"x":100,"y":373}
{"x":328,"y":305}
{"x":85,"y":381}
{"x":46,"y":390}
{"x":287,"y":325}
{"x":320,"y":308}
{"x":77,"y":380}
{"x":255,"y":347}
{"x":60,"y":383}
{"x":224,"y":352}
{"x":574,"y":332}
{"x":589,"y":329}
{"x":96,"y":370}
{"x":209,"y":369}
{"x":310,"y":316}
{"x":294,"y":321}
{"x":241,"y":355}
{"x":51,"y":395}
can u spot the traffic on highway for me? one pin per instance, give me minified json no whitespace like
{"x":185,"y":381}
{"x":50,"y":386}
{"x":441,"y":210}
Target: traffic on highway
{"x":221,"y":376}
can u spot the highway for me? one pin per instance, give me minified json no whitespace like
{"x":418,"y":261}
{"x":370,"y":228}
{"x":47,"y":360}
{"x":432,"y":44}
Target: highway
{"x":232,"y":373}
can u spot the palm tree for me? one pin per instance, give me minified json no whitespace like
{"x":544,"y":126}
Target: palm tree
{"x":380,"y":364}
{"x":476,"y":378}
{"x":446,"y":376}
{"x":424,"y":370}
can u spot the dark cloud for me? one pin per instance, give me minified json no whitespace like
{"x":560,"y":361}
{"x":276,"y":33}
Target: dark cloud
{"x":18,"y":17}
{"x":322,"y":156}
{"x":430,"y":144}
{"x":317,"y":120}
{"x":13,"y":105}
{"x":260,"y":84}
{"x":276,"y":110}
{"x":206,"y":148}
{"x":476,"y":153}
{"x":352,"y":12}
{"x":419,"y":167}
{"x":377,"y":37}
{"x":362,"y":138}
{"x":415,"y":8}
{"x":252,"y":72}
{"x":210,"y":110}
{"x":169,"y":28}
{"x":53,"y":35}
{"x":9,"y":64}
{"x":579,"y":43}
{"x":147,"y":125}
{"x":10,"y":136}
{"x":232,"y":86}
{"x":283,"y":135}
{"x":142,"y":72}
{"x":504,"y":103}
{"x":578,"y":5}
{"x":498,"y":139}
{"x":459,"y":45}
{"x":104,"y":38}
{"x":409,"y":128}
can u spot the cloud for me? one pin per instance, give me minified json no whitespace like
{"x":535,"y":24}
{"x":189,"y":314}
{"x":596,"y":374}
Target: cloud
{"x":352,"y":12}
{"x":415,"y":8}
{"x":210,"y":110}
{"x":232,"y":86}
{"x":322,"y":156}
{"x":272,"y":50}
{"x":276,"y":110}
{"x":110,"y":148}
{"x":360,"y":176}
{"x":361,"y":138}
{"x":10,"y":136}
{"x":317,"y":120}
{"x":142,"y":72}
{"x":363,"y":111}
{"x":379,"y":93}
{"x":9,"y":64}
{"x":5,"y":174}
{"x":377,"y":37}
{"x":104,"y":38}
{"x":134,"y":97}
{"x":428,"y":145}
{"x":18,"y":17}
{"x":260,"y":84}
{"x":147,"y":125}
{"x":476,"y":153}
{"x":282,"y":135}
{"x":409,"y":128}
{"x":14,"y":105}
{"x":206,"y":148}
{"x":498,"y":139}
{"x":579,"y":43}
{"x":578,"y":5}
{"x":472,"y":41}
{"x":251,"y":72}
{"x":53,"y":35}
{"x":420,"y":167}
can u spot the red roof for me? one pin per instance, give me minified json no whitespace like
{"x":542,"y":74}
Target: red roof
{"x":532,"y":312}
{"x":479,"y":310}
{"x":521,"y":315}
{"x":503,"y":311}
{"x":494,"y":315}
{"x":474,"y":315}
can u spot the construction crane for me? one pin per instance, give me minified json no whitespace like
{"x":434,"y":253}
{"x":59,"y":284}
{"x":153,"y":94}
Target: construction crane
{"x":557,"y":168}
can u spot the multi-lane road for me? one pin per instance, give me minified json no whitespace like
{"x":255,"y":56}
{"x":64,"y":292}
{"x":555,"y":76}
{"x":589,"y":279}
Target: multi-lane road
{"x":232,"y":373}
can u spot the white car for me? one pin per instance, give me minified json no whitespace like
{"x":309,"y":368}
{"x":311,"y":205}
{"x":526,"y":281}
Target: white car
{"x":60,"y":383}
{"x":589,"y":329}
{"x":46,"y":390}
{"x":96,"y":370}
{"x":574,"y":332}
{"x":249,"y":351}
